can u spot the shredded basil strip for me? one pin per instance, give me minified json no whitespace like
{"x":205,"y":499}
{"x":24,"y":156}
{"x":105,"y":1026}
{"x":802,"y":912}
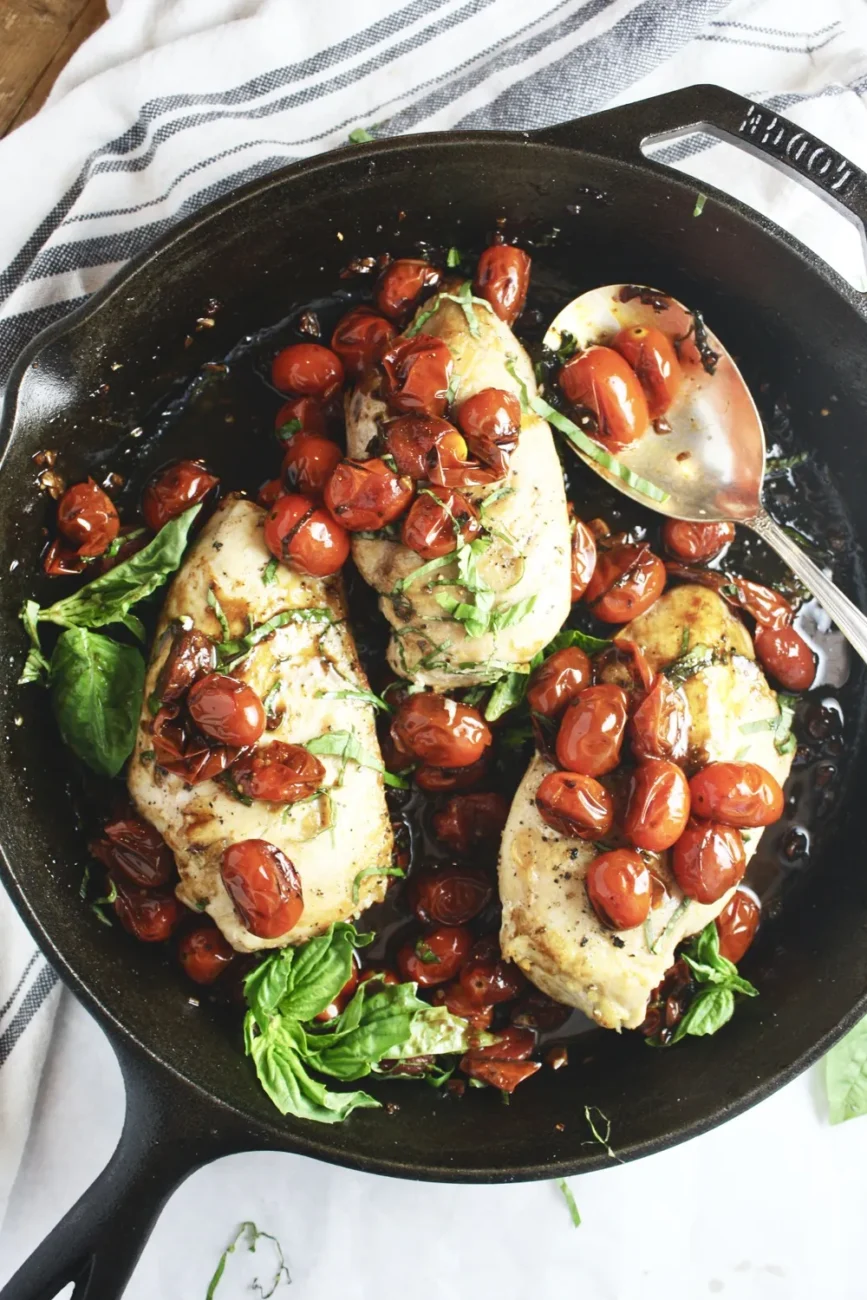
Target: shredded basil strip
{"x":374,"y":871}
{"x":343,"y":745}
{"x":571,"y":1203}
{"x":231,"y":653}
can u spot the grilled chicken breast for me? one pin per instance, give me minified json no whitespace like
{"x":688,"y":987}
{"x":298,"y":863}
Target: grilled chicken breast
{"x":302,"y":668}
{"x":529,"y":555}
{"x":549,"y":927}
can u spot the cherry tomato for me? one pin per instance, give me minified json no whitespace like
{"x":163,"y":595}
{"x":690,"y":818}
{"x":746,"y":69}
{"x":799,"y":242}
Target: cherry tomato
{"x":503,"y":1065}
{"x":658,"y":808}
{"x":618,"y":886}
{"x":191,"y":655}
{"x":737,"y":924}
{"x":364,"y":495}
{"x":402,"y":285}
{"x":591,"y":732}
{"x":558,"y":681}
{"x":490,"y":421}
{"x":439,"y":780}
{"x":174,"y":490}
{"x":575,"y":805}
{"x":502,"y":279}
{"x":204,"y":953}
{"x":304,"y":535}
{"x":87,"y":519}
{"x":784,"y":654}
{"x":707,"y":860}
{"x":149,"y":916}
{"x":624,"y":663}
{"x":696,"y":543}
{"x":417,"y":372}
{"x":739,"y":794}
{"x":455,"y":1000}
{"x":487,"y":980}
{"x":269,"y":492}
{"x":309,"y":413}
{"x":333,"y":1010}
{"x":307,"y":370}
{"x":278,"y":773}
{"x":62,"y":560}
{"x":380,"y":975}
{"x":470,"y":822}
{"x":604,"y":384}
{"x":627,"y":579}
{"x":264,"y":887}
{"x":660,"y":725}
{"x":439,"y":731}
{"x":766,"y":606}
{"x":180,"y":748}
{"x":654,"y":360}
{"x":360,"y":339}
{"x":429,"y":527}
{"x":309,"y":462}
{"x":227,"y":710}
{"x":449,"y":895}
{"x":537,"y":1011}
{"x":137,"y":850}
{"x":425,"y":447}
{"x":436,"y":957}
{"x":583,"y":555}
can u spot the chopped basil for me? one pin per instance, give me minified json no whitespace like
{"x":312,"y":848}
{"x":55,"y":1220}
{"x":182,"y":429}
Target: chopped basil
{"x":374,"y":871}
{"x":233,"y":652}
{"x":425,"y":953}
{"x":228,"y":782}
{"x":775,"y":465}
{"x":367,"y":697}
{"x":214,"y":604}
{"x":571,"y":1204}
{"x":465,"y":299}
{"x":269,"y":573}
{"x":99,"y":903}
{"x":252,"y":1234}
{"x":454,"y":257}
{"x":285,"y":432}
{"x":361,"y":135}
{"x":700,"y":201}
{"x":343,"y":745}
{"x":687,"y":665}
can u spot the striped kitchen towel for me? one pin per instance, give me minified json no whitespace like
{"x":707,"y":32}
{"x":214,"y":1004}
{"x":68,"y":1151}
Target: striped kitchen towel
{"x":175,"y":102}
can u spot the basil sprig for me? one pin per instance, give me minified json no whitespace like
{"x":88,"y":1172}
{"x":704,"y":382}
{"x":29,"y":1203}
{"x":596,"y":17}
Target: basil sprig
{"x":718,"y":981}
{"x":846,"y":1075}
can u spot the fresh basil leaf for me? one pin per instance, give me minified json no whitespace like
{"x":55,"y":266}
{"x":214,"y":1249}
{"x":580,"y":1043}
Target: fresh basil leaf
{"x":434,"y":1031}
{"x":267,"y":985}
{"x":508,"y":693}
{"x":219,"y":613}
{"x":320,"y":970}
{"x":422,"y":572}
{"x":343,"y":745}
{"x":360,"y":135}
{"x":591,"y":645}
{"x":846,"y":1075}
{"x":35,"y":670}
{"x":508,"y":615}
{"x":709,"y":1011}
{"x":96,"y":692}
{"x":283,"y":1075}
{"x":379,"y":1023}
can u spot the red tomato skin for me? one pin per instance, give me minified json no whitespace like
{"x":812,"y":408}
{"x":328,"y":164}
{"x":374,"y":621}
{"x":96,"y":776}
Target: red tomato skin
{"x":136,"y":850}
{"x":490,"y":421}
{"x":502,"y":279}
{"x":487,"y":981}
{"x":628,"y":578}
{"x":696,"y":543}
{"x":436,"y":957}
{"x":441,"y":780}
{"x":449,"y":895}
{"x":364,"y":495}
{"x":583,"y":555}
{"x":360,"y":338}
{"x":402,"y":285}
{"x":658,"y":807}
{"x":455,"y":1000}
{"x":416,"y":375}
{"x":591,"y":733}
{"x":264,"y":887}
{"x":309,"y":413}
{"x":469,"y":823}
{"x":308,"y":463}
{"x":440,"y":731}
{"x":559,"y":681}
{"x":607,"y":386}
{"x":305,"y":536}
{"x":574,"y":805}
{"x":150,"y":916}
{"x":737,"y":924}
{"x":278,"y":773}
{"x":618,"y":886}
{"x":503,"y":1065}
{"x":653,"y":358}
{"x":227,"y":710}
{"x":270,"y":492}
{"x":785,"y":656}
{"x":204,"y":953}
{"x":739,"y":794}
{"x":425,"y":446}
{"x":708,"y":860}
{"x":174,"y":490}
{"x":765,"y":605}
{"x":659,"y":727}
{"x":87,"y":518}
{"x":307,"y":370}
{"x":429,"y":527}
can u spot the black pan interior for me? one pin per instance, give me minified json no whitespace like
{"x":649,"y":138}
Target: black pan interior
{"x":144,"y":356}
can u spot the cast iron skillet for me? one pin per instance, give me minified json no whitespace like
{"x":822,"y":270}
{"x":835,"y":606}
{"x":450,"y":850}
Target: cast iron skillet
{"x":191,"y":1096}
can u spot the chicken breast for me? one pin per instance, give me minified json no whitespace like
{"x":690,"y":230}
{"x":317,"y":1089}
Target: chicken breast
{"x":302,"y":669}
{"x":549,"y":927}
{"x":528,"y":558}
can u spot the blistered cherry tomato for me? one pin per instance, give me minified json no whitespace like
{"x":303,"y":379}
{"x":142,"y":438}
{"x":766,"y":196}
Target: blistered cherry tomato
{"x":87,"y":519}
{"x":503,"y":1065}
{"x":401,"y":286}
{"x":604,"y":384}
{"x":784,"y":654}
{"x":440,"y":780}
{"x":660,"y":725}
{"x":191,"y":655}
{"x":264,"y":887}
{"x":627,"y":579}
{"x":424,"y":446}
{"x":502,"y":279}
{"x":558,"y":681}
{"x":449,"y":895}
{"x":309,"y":414}
{"x":696,"y":543}
{"x":429,"y":527}
{"x":278,"y":773}
{"x":309,"y":462}
{"x":490,"y":421}
{"x":227,"y":710}
{"x":174,"y":490}
{"x":488,"y":980}
{"x":269,"y":492}
{"x":708,"y":860}
{"x":583,"y":555}
{"x":435,"y":957}
{"x":306,"y":536}
{"x":137,"y":850}
{"x":180,"y":748}
{"x":150,"y":916}
{"x":416,"y":373}
{"x":307,"y":370}
{"x":61,"y":560}
{"x":440,"y":731}
{"x":658,"y":807}
{"x":575,"y":805}
{"x":737,"y":924}
{"x":204,"y":953}
{"x":364,"y":495}
{"x":470,"y":822}
{"x":360,"y":339}
{"x":766,"y":606}
{"x":591,"y":732}
{"x":537,"y":1011}
{"x":654,"y":360}
{"x":618,"y":886}
{"x":624,"y":663}
{"x":333,"y":1010}
{"x":739,"y":794}
{"x":455,"y":1000}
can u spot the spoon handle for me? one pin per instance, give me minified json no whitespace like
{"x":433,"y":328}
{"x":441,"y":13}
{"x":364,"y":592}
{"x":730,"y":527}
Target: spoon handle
{"x":848,"y":617}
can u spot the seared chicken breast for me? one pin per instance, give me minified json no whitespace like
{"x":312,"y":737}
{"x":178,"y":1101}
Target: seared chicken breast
{"x":526,"y":523}
{"x":549,"y":927}
{"x":309,"y":673}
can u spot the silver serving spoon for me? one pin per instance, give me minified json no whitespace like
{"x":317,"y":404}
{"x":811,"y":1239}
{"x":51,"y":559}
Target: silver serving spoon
{"x":710,"y":463}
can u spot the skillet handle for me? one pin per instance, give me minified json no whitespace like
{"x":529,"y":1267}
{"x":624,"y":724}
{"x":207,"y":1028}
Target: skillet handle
{"x":167,"y":1134}
{"x":732,"y":117}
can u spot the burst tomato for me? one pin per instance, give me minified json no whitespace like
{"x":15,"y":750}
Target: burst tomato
{"x":784,"y":654}
{"x":416,"y":374}
{"x":440,"y":731}
{"x":502,"y":279}
{"x":618,"y":886}
{"x":654,"y":360}
{"x":360,"y":339}
{"x":449,"y":895}
{"x":583,"y":555}
{"x":309,"y":462}
{"x":402,"y":286}
{"x":302,"y":534}
{"x":490,"y":421}
{"x":737,"y":924}
{"x":558,"y":681}
{"x":264,"y":887}
{"x":436,"y":957}
{"x":738,"y":794}
{"x":278,"y":773}
{"x":696,"y":543}
{"x":708,"y":860}
{"x":574,"y":805}
{"x":627,"y":579}
{"x":307,"y":370}
{"x":591,"y":733}
{"x":365,"y":495}
{"x":658,"y":807}
{"x":204,"y":953}
{"x":87,"y":518}
{"x":470,"y":822}
{"x":600,"y":381}
{"x":174,"y":490}
{"x":227,"y":710}
{"x":434,"y":520}
{"x":660,"y":725}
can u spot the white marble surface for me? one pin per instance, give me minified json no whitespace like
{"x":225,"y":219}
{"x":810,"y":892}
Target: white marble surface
{"x":769,"y":1207}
